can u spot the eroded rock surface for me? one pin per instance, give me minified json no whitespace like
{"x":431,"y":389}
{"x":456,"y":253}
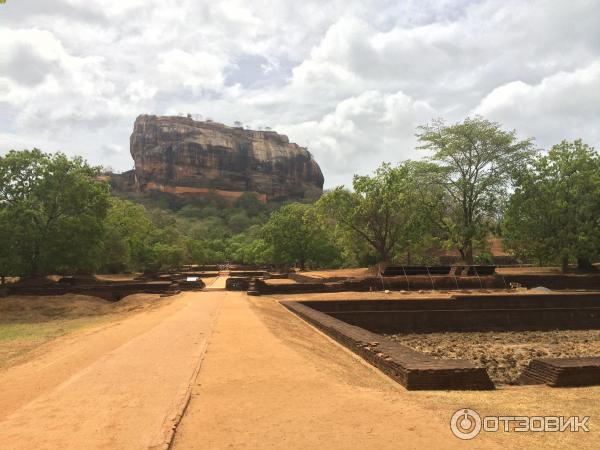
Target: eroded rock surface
{"x":183,"y":156}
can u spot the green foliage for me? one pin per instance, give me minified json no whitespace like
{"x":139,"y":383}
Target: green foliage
{"x":294,"y":234}
{"x":250,"y":204}
{"x":164,"y":257}
{"x":52,"y":210}
{"x":126,"y":237}
{"x":251,"y":248}
{"x":484,"y":258}
{"x":8,"y":253}
{"x":203,"y":231}
{"x":554,"y":213}
{"x":238,"y":222}
{"x":475,"y":163}
{"x":56,"y":217}
{"x":389,"y":211}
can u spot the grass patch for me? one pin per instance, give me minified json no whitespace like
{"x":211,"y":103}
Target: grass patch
{"x":17,"y":339}
{"x":26,"y":322}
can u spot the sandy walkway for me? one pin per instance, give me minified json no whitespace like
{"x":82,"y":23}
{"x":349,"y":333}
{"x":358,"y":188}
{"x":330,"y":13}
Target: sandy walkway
{"x":288,"y":386}
{"x":218,"y":284}
{"x":113,"y":388}
{"x":267,"y":380}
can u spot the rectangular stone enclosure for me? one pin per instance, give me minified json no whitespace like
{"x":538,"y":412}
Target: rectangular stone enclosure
{"x":469,"y":313}
{"x":359,"y":324}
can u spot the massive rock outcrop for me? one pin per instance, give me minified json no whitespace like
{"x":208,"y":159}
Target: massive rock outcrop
{"x":182,"y":156}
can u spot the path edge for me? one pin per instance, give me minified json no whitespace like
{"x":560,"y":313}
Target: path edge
{"x":174,"y":418}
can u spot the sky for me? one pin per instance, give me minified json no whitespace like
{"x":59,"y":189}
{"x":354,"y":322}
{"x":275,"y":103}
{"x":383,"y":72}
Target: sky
{"x":349,"y":80}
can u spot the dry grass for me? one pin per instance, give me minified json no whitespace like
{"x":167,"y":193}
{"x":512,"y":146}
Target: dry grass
{"x":26,"y":322}
{"x":524,"y":401}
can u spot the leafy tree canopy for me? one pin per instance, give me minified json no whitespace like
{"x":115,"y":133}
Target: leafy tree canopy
{"x":295,"y":237}
{"x":554,"y":213}
{"x":387,"y":210}
{"x":475,"y":163}
{"x":54,"y":209}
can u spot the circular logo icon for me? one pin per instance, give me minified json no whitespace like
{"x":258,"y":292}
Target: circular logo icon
{"x":465,"y":424}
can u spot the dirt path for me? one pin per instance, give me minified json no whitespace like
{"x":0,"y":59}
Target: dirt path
{"x":288,"y":386}
{"x":267,"y":380}
{"x":117,"y":387}
{"x":218,"y":284}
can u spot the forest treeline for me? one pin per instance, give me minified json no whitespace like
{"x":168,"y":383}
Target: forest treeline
{"x":58,"y":215}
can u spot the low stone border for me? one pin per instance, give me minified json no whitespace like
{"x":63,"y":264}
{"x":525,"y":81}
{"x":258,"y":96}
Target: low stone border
{"x":247,"y":273}
{"x":237,"y":283}
{"x":411,"y":283}
{"x":414,"y":370}
{"x":563,"y":372}
{"x":309,"y":284}
{"x":556,"y":282}
{"x":511,"y":312}
{"x":185,"y":285}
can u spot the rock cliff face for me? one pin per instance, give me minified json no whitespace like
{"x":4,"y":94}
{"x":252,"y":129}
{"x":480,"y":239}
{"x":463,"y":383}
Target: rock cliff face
{"x":183,"y":156}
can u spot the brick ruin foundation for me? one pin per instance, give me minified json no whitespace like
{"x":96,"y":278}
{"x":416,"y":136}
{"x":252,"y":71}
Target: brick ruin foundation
{"x":358,"y":324}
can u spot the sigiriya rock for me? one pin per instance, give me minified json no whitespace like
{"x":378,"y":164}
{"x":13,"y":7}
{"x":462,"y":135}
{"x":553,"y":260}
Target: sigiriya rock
{"x":182,"y":156}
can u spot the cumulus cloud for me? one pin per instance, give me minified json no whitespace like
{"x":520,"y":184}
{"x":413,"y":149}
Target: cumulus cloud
{"x":369,"y":128}
{"x":561,"y":106}
{"x":195,"y":70}
{"x":348,"y":79}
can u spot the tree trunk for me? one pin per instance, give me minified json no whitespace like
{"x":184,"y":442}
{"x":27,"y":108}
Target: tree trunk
{"x":469,"y":252}
{"x":408,"y":258}
{"x":384,"y":255}
{"x":565,"y":264}
{"x":584,"y":264}
{"x":34,"y":267}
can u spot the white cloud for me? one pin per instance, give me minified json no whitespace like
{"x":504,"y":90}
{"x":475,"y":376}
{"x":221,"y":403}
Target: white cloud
{"x":370,"y":128}
{"x":562,"y":106}
{"x":197,"y":70}
{"x":347,"y":78}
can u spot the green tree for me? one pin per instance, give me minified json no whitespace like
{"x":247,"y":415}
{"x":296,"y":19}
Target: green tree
{"x":554,"y":212}
{"x":250,"y":248}
{"x":294,"y":234}
{"x":164,"y":257}
{"x":238,"y":221}
{"x":250,"y":203}
{"x":476,"y":165}
{"x":257,"y":252}
{"x":127,"y":229}
{"x":196,"y":252}
{"x":55,"y":209}
{"x":387,"y":210}
{"x":211,"y":228}
{"x":8,"y":264}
